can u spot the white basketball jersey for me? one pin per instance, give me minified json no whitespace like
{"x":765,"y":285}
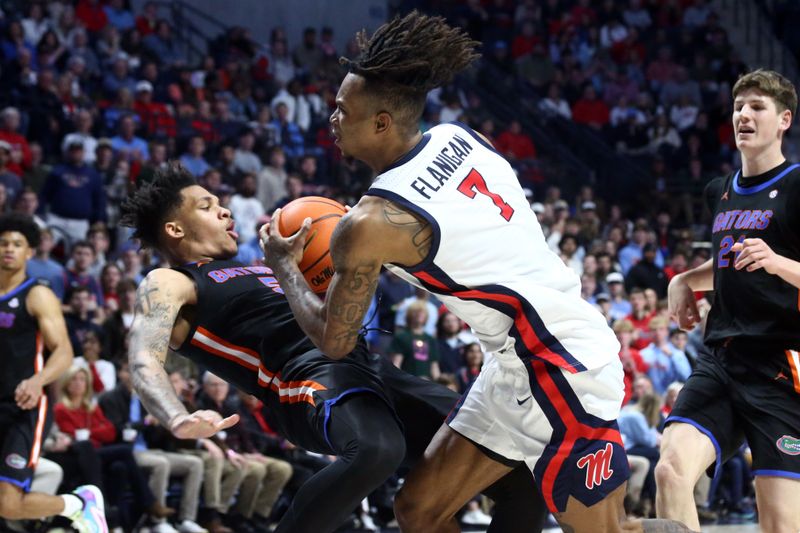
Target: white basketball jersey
{"x":489,"y":262}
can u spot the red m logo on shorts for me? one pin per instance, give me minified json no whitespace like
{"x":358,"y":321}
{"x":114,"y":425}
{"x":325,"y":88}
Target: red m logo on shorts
{"x":598,"y":466}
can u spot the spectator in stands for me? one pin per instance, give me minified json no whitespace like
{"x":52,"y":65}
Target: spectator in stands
{"x":20,"y":150}
{"x":83,"y":122}
{"x":162,"y":47}
{"x":118,"y":16}
{"x":221,"y":477}
{"x":632,"y":363}
{"x":308,"y":55}
{"x":109,"y":277}
{"x":451,"y":338}
{"x":264,"y":477}
{"x":73,"y":195}
{"x":272,"y":178}
{"x":620,"y":306}
{"x":193,"y":160}
{"x":553,"y":104}
{"x":297,"y":105}
{"x":245,"y":159}
{"x":92,"y":15}
{"x":9,"y":180}
{"x":412,"y":349}
{"x":633,"y":251}
{"x":126,"y":144}
{"x":41,"y":265}
{"x":472,"y":355}
{"x":132,"y":423}
{"x":155,"y":117}
{"x":82,"y":315}
{"x":79,"y":270}
{"x":666,"y":363}
{"x":640,"y":318}
{"x":646,"y":274}
{"x":75,"y":413}
{"x":104,"y":374}
{"x":638,"y":425}
{"x":245,"y":208}
{"x":590,"y":110}
{"x":118,"y":323}
{"x":515,"y":144}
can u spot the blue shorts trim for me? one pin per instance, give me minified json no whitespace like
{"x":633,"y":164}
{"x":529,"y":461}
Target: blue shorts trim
{"x":333,"y":401}
{"x":705,"y":432}
{"x":777,"y":473}
{"x":24,"y":485}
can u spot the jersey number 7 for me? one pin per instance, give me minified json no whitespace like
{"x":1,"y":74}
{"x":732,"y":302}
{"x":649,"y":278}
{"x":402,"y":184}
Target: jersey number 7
{"x":474,"y":184}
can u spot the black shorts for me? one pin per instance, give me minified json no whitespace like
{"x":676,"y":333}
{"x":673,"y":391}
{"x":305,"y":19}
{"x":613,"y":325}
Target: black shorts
{"x":746,"y":391}
{"x":299,"y":399}
{"x":21,"y":435}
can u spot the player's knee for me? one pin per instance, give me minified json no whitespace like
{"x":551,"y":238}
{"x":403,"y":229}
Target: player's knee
{"x":670,"y":474}
{"x":416,"y":511}
{"x":774,"y":518}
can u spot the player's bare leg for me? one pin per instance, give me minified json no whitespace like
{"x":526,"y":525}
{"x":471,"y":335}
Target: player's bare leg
{"x":778,"y":510}
{"x":677,"y":472}
{"x":17,"y":505}
{"x":452,"y":471}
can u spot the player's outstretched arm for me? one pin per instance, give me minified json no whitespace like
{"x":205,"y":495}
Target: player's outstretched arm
{"x":159,"y":299}
{"x":682,"y":305}
{"x":46,"y":308}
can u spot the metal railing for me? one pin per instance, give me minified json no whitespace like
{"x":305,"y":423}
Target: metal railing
{"x":186,"y":29}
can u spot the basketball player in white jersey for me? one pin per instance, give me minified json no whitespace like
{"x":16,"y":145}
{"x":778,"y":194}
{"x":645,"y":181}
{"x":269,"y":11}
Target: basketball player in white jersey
{"x":447,"y":213}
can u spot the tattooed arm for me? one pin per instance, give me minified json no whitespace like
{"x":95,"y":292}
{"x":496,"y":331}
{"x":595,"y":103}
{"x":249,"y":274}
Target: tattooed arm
{"x":373,"y":233}
{"x":159,"y":298}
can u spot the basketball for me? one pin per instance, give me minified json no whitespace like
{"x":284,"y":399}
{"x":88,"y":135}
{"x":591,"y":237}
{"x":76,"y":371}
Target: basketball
{"x":316,"y":266}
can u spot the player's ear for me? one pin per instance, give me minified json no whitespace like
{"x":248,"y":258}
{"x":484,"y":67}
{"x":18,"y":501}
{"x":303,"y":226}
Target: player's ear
{"x":174,"y":229}
{"x":786,"y":119}
{"x":383,"y":121}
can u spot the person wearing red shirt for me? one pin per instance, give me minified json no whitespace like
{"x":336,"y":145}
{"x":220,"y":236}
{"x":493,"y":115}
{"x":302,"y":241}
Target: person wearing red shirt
{"x":77,"y":413}
{"x":20,"y":151}
{"x":92,"y":15}
{"x":146,"y":22}
{"x":515,"y":144}
{"x":632,"y":362}
{"x":156,"y":117}
{"x":640,"y":318}
{"x":590,"y":110}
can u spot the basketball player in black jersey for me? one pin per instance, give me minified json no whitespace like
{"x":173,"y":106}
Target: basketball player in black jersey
{"x":749,"y":386}
{"x":31,"y":325}
{"x":235,"y":321}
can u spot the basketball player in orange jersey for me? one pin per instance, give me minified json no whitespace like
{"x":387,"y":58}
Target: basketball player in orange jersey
{"x":30,"y":324}
{"x":234,"y":320}
{"x":749,"y":386}
{"x":447,"y":213}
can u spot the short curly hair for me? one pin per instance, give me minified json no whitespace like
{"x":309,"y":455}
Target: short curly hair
{"x":148,"y":208}
{"x":23,"y":224}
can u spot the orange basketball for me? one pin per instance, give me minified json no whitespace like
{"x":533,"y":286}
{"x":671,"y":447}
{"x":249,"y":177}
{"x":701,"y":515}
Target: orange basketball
{"x":316,"y":266}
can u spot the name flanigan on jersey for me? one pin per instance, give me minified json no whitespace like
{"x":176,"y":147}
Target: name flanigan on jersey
{"x":442,"y":167}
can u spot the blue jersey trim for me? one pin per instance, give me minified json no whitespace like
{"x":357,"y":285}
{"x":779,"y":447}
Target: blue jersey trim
{"x":705,"y":432}
{"x":758,"y":188}
{"x":409,"y":155}
{"x":477,"y":137}
{"x":414,"y":208}
{"x":777,"y":473}
{"x":24,"y":485}
{"x":21,"y":287}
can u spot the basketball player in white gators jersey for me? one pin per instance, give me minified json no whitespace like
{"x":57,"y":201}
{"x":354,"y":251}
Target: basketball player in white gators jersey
{"x":447,"y":213}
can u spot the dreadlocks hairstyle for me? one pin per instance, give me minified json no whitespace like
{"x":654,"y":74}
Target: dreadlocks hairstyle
{"x":22,"y":224}
{"x":147,"y":209}
{"x":407,"y":57}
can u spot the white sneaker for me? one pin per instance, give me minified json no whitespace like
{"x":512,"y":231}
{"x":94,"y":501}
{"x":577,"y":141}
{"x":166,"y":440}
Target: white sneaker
{"x":476,"y":517}
{"x":188,"y":526}
{"x":163,"y":527}
{"x":367,"y":523}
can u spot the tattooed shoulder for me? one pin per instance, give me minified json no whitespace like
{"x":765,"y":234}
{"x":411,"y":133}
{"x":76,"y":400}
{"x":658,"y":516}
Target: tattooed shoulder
{"x":418,"y":229}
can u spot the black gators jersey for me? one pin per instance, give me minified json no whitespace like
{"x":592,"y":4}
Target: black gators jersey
{"x":755,"y":305}
{"x":21,"y":346}
{"x":243,"y":329}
